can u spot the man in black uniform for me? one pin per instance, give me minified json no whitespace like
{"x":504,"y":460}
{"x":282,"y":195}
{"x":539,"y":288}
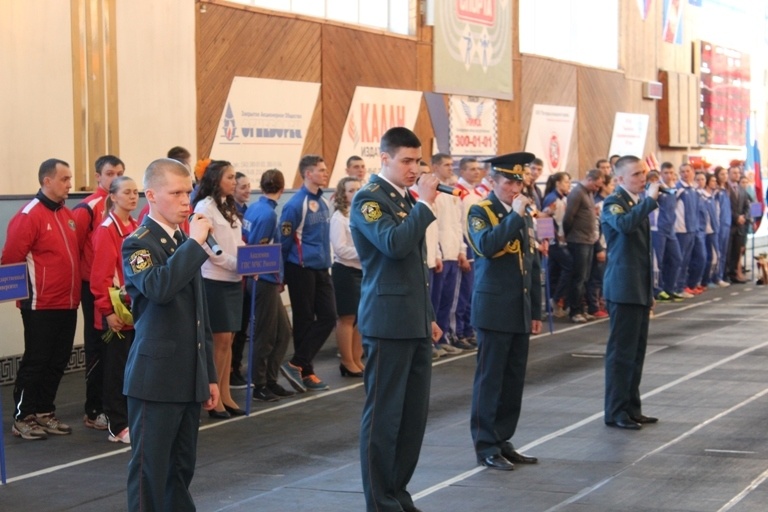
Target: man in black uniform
{"x":628,"y":291}
{"x":506,"y":309}
{"x":170,"y":370}
{"x":395,"y":318}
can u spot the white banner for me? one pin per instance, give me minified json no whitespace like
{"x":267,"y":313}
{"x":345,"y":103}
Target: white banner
{"x":549,"y":136}
{"x":264,"y":125}
{"x":372,"y":113}
{"x":472,"y":126}
{"x":629,"y":133}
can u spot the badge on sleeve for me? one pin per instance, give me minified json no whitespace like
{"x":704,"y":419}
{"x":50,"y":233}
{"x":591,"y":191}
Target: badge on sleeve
{"x":477,"y":224}
{"x":140,"y":260}
{"x":286,"y":228}
{"x":371,"y":211}
{"x":616,"y":209}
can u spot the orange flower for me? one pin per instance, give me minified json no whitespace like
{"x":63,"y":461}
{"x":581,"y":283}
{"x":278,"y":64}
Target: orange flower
{"x":200,"y":168}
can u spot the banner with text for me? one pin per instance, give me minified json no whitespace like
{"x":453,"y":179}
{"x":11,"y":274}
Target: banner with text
{"x":473,"y":48}
{"x":549,"y":136}
{"x":264,"y":126}
{"x":629,"y":133}
{"x":473,"y":126}
{"x":372,"y":113}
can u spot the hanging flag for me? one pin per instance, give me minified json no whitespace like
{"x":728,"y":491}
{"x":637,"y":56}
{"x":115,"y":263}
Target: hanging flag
{"x":644,"y":6}
{"x":652,"y":162}
{"x":753,"y":164}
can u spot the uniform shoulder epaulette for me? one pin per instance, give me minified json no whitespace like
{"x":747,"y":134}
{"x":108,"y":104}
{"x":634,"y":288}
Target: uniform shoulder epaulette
{"x":484,"y":203}
{"x":371,"y":187}
{"x":140,"y":232}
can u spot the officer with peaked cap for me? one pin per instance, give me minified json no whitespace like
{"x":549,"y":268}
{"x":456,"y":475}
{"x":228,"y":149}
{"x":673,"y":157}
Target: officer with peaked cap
{"x":506,"y":309}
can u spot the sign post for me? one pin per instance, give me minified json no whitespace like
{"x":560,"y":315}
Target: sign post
{"x":13,"y":286}
{"x":253,"y":260}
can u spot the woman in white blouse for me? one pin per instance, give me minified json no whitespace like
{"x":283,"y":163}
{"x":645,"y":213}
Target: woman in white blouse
{"x":223,"y":286}
{"x":347,"y":276}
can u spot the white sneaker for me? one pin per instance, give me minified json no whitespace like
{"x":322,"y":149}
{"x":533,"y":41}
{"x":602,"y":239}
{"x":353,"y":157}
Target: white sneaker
{"x":449,"y":349}
{"x":684,"y":294}
{"x":723,"y":284}
{"x":437,"y":349}
{"x":99,"y":423}
{"x":578,"y":318}
{"x":123,"y":437}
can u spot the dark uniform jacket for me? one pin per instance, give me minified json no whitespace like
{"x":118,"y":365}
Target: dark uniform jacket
{"x":389,"y":237}
{"x":171,"y":359}
{"x":628,"y":275}
{"x":507,"y":290}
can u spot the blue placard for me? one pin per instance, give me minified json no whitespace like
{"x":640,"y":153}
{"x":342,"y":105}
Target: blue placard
{"x":258,"y":259}
{"x":13,"y":282}
{"x":756,"y":210}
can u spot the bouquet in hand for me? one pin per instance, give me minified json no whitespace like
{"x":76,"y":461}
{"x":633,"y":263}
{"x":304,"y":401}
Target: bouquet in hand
{"x":121,"y":305}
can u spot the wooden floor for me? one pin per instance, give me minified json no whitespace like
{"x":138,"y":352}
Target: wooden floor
{"x":706,"y":377}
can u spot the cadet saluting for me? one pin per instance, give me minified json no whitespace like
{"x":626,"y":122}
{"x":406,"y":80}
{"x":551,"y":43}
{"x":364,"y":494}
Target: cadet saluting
{"x":506,"y":310}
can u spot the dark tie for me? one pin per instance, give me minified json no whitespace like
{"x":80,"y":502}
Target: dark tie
{"x":178,"y":237}
{"x":409,"y":199}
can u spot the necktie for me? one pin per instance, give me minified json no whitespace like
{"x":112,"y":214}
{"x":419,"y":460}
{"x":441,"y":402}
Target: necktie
{"x":178,"y":237}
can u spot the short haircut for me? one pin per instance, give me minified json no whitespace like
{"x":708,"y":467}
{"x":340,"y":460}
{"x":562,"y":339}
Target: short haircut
{"x":353,"y":158}
{"x":154,"y":176}
{"x":272,"y":181}
{"x":667,"y":165}
{"x":239,"y":175}
{"x":537,"y":161}
{"x":396,"y":138}
{"x":308,"y":161}
{"x":625,"y":161}
{"x":464,"y":162}
{"x":685,"y":164}
{"x":48,"y":169}
{"x":595,"y":175}
{"x":439,"y":157}
{"x":178,"y":153}
{"x":601,"y":161}
{"x":107,"y":159}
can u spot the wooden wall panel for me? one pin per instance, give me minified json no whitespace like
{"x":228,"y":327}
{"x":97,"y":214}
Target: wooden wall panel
{"x":548,"y":82}
{"x":601,"y":94}
{"x":639,"y":40}
{"x":236,"y":42}
{"x":636,"y":104}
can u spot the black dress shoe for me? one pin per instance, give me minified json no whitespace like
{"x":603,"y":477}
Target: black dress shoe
{"x":624,"y":423}
{"x":497,"y":462}
{"x":644,"y":419}
{"x":517,"y":457}
{"x":234,"y":411}
{"x":346,"y":372}
{"x":219,"y":415}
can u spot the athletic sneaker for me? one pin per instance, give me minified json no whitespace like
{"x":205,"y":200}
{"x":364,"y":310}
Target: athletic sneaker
{"x":579,"y":319}
{"x":28,"y":429}
{"x":122,"y":437}
{"x":461,"y":344}
{"x":690,"y":291}
{"x":313,"y":383}
{"x":236,"y":381}
{"x":723,"y":284}
{"x":98,"y":423}
{"x":676,"y":297}
{"x":293,"y":374}
{"x":684,"y":294}
{"x":589,"y":317}
{"x":663,"y":296}
{"x":437,"y":349}
{"x":263,"y":394}
{"x":279,"y":390}
{"x":449,"y":349}
{"x":51,"y":424}
{"x":600,"y":314}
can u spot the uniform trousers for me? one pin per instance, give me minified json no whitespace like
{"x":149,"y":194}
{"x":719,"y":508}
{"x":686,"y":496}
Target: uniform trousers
{"x":723,"y":241}
{"x":443,"y":292}
{"x":686,"y":241}
{"x":698,"y":262}
{"x":713,"y":258}
{"x":314,"y":312}
{"x":272,"y":332}
{"x":624,"y":358}
{"x":48,"y":338}
{"x":667,"y":250}
{"x":94,"y":354}
{"x":497,"y":393}
{"x":397,"y":382}
{"x":115,"y":358}
{"x":163,"y":455}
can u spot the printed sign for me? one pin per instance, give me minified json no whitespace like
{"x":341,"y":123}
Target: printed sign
{"x":472,"y":126}
{"x":13,"y":282}
{"x":549,"y":136}
{"x":545,"y":228}
{"x":473,"y":48}
{"x":258,"y":259}
{"x":264,"y":125}
{"x":629,"y":133}
{"x":372,"y":113}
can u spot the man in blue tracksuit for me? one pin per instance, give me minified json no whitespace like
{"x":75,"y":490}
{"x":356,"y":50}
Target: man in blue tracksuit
{"x":665,"y":244}
{"x":305,"y":226}
{"x":686,"y":225}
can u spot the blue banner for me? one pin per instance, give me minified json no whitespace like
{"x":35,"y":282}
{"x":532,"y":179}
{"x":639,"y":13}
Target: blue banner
{"x":258,"y":259}
{"x":13,"y":282}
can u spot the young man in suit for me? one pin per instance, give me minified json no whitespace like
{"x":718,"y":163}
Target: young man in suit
{"x":506,"y":310}
{"x":170,"y":370}
{"x":388,"y":228}
{"x":628,"y":291}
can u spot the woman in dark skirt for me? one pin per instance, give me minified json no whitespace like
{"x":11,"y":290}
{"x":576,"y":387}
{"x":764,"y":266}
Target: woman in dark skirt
{"x":347,"y":275}
{"x":223,"y":286}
